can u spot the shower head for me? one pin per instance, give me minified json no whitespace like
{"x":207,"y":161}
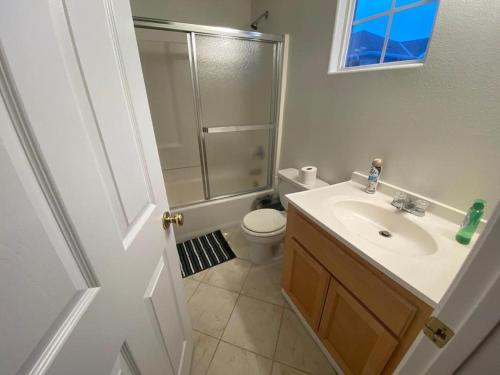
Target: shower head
{"x":255,"y":23}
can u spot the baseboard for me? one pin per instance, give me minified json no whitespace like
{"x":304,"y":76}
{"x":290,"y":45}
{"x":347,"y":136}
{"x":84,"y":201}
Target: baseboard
{"x":312,"y":333}
{"x":190,"y":235}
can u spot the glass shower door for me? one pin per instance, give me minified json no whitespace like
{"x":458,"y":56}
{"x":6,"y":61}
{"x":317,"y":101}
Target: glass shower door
{"x":165,"y":60}
{"x":237,"y":92}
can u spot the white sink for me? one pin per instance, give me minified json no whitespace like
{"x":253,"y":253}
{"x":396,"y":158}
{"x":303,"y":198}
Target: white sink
{"x":385,"y":227}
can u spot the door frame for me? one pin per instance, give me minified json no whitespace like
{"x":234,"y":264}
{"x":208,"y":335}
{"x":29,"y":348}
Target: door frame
{"x":470,"y":307}
{"x":192,"y":30}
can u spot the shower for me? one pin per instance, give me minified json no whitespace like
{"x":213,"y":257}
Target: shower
{"x":255,"y":23}
{"x":214,"y":99}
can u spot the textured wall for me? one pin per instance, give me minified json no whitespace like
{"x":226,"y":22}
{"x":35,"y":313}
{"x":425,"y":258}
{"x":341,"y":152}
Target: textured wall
{"x":437,"y":127}
{"x":229,"y":13}
{"x":485,"y":359}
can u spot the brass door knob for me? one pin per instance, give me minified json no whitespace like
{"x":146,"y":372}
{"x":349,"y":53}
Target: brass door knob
{"x":168,"y":219}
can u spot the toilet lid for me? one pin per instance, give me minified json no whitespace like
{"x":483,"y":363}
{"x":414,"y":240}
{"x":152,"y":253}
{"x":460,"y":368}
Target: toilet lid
{"x":264,"y":220}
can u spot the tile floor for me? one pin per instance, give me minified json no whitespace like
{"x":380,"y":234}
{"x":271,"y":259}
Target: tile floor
{"x":242,"y":324}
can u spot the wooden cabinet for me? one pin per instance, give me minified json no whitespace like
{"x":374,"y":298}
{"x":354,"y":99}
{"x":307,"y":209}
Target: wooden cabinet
{"x":354,"y":337}
{"x":306,"y":282}
{"x":364,"y":319}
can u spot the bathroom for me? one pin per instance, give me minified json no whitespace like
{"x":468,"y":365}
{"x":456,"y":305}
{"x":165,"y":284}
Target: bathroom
{"x":257,"y":186}
{"x":422,"y":120}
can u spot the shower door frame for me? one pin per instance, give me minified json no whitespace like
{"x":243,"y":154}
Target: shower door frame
{"x":192,"y":30}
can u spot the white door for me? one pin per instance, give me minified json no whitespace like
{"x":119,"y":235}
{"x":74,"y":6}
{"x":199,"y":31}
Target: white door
{"x":89,"y":280}
{"x":470,"y":307}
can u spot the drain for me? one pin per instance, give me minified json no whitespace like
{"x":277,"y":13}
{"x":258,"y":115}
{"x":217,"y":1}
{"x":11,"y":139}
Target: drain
{"x":385,"y":233}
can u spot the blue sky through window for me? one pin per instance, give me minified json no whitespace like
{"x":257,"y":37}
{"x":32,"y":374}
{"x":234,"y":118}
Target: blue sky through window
{"x":414,"y":23}
{"x":367,"y":8}
{"x":408,"y":38}
{"x":400,"y":3}
{"x":367,"y":42}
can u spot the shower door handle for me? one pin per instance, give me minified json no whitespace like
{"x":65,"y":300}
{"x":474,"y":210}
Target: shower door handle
{"x":168,"y":219}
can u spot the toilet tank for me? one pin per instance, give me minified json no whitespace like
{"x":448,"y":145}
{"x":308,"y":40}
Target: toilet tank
{"x":288,"y":182}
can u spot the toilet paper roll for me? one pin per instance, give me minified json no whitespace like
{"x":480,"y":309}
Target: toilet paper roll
{"x":307,"y":175}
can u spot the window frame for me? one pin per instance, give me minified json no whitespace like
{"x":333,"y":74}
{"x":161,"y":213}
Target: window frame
{"x":344,"y":21}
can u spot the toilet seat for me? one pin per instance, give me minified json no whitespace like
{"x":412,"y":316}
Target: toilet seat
{"x":267,"y":235}
{"x":264,"y":229}
{"x":265,"y":222}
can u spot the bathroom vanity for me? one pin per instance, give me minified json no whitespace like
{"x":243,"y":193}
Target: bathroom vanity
{"x":362,"y":299}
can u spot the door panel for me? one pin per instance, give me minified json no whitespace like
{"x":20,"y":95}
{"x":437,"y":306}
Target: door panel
{"x":165,"y":60}
{"x":238,"y":161}
{"x":236,"y":80}
{"x":160,"y":294}
{"x":115,"y":116}
{"x":305,"y":281}
{"x":121,"y":367}
{"x":167,"y":74}
{"x":39,"y":277}
{"x":85,"y":185}
{"x":125,"y":364}
{"x":355,"y":338}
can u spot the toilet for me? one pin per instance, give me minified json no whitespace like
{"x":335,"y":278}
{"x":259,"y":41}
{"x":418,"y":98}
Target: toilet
{"x":265,"y":228}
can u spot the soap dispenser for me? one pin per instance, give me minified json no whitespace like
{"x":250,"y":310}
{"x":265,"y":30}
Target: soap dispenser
{"x":471,"y":222}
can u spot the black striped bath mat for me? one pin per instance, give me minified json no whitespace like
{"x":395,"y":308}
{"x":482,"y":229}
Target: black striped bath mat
{"x":203,"y":252}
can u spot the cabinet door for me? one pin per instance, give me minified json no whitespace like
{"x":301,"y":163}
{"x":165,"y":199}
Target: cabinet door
{"x":354,"y":337}
{"x":305,"y":281}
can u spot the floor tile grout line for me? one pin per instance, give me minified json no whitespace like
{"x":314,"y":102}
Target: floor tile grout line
{"x":262,"y":300}
{"x":230,"y":315}
{"x":246,"y":277}
{"x":206,"y":334}
{"x":272,"y":367}
{"x":234,"y":307}
{"x":213,"y":356}
{"x":293,"y":367}
{"x":274,"y":360}
{"x":221,"y":287}
{"x":240,"y":294}
{"x":287,"y":364}
{"x":247,"y":350}
{"x":279,"y":333}
{"x":194,"y":291}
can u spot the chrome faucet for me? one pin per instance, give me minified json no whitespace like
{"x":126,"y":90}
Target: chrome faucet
{"x":415,"y":206}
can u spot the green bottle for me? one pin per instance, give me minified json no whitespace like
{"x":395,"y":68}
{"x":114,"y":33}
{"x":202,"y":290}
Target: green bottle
{"x":471,"y":222}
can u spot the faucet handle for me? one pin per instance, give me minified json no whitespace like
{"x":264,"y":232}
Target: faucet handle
{"x":401,"y":196}
{"x":400,"y":199}
{"x":421,"y":206}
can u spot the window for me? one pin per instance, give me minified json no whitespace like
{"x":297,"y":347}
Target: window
{"x":375,"y":34}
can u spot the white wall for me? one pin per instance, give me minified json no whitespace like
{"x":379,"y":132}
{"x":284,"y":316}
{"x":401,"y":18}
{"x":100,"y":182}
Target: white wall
{"x":485,"y":359}
{"x":229,"y":13}
{"x":437,"y":127}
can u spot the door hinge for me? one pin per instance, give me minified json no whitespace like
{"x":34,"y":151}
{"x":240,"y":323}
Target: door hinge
{"x":437,"y":331}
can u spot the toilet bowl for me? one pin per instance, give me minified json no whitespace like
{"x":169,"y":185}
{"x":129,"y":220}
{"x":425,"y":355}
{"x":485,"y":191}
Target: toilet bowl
{"x":265,"y":228}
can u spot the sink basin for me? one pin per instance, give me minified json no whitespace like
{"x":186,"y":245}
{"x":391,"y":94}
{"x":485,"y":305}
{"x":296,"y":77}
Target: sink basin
{"x":385,"y":227}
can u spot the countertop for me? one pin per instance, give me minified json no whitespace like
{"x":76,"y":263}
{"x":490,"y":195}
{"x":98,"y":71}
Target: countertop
{"x":427,"y":276}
